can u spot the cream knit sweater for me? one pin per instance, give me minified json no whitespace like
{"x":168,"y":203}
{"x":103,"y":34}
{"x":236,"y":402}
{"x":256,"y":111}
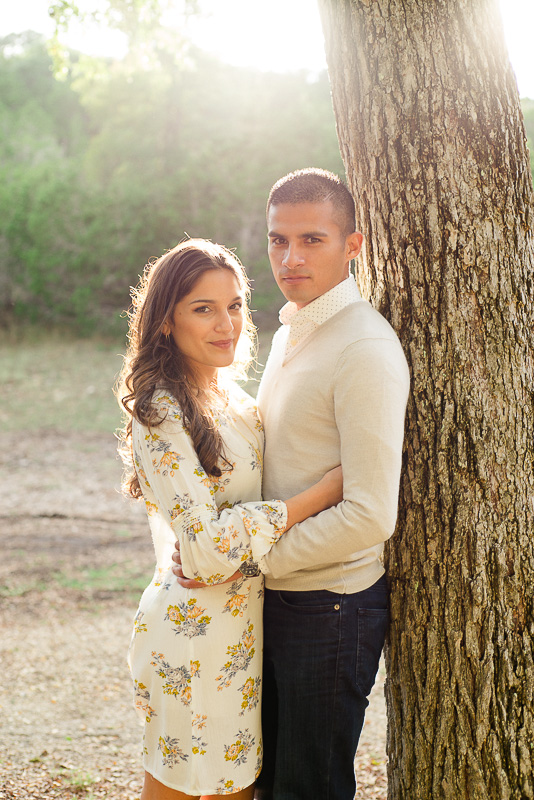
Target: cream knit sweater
{"x":338,"y":398}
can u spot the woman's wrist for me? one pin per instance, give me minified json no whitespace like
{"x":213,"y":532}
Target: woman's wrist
{"x":308,"y":503}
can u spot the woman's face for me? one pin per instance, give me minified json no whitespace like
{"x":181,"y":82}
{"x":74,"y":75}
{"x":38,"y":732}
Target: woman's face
{"x":206,"y":324}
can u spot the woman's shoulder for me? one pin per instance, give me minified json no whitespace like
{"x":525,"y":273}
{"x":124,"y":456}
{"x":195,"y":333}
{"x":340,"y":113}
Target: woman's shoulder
{"x":167,"y":408}
{"x":243,"y":406}
{"x":165,"y":402}
{"x":239,"y":398}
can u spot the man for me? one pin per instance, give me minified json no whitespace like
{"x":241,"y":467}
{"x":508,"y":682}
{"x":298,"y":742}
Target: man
{"x":334,"y":391}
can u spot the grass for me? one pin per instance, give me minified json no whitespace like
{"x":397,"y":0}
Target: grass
{"x":49,"y":380}
{"x":123,"y":577}
{"x":14,"y":589}
{"x":57,"y":382}
{"x":78,"y":779}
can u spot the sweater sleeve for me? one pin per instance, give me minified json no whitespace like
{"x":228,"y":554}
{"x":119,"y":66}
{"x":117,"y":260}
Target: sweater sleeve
{"x":370,"y":395}
{"x":213,"y":541}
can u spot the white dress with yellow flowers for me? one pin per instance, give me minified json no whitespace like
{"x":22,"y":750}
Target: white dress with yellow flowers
{"x":196,"y":654}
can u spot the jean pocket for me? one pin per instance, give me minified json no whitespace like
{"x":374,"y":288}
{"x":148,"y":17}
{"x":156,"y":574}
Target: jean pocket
{"x":315,"y":602}
{"x":372,"y":628}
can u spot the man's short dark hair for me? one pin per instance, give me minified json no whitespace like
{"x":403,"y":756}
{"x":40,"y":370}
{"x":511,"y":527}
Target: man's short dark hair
{"x":314,"y":185}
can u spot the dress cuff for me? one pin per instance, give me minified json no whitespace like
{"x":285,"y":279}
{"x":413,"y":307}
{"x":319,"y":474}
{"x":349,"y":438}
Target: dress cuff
{"x":262,"y":537}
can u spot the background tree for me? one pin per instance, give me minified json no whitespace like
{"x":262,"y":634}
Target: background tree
{"x":434,"y":146}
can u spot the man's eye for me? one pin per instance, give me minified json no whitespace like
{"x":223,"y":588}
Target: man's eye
{"x":277,"y":241}
{"x":312,"y":240}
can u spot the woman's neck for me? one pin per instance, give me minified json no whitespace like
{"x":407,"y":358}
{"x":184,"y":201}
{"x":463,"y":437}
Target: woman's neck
{"x":205,"y":381}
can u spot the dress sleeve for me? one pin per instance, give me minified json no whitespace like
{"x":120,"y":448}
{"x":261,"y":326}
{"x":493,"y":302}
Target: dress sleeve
{"x":213,"y":541}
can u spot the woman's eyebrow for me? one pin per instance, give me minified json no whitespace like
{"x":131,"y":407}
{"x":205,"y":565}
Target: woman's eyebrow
{"x":202,"y":300}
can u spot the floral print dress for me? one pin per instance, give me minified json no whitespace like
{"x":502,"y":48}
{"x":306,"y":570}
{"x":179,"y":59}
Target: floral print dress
{"x":196,"y":654}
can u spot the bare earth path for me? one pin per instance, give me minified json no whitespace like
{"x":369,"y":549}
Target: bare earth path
{"x":75,"y":557}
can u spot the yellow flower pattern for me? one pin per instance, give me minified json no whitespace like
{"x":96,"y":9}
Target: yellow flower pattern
{"x":239,"y":750}
{"x":251,"y":694}
{"x":241,"y":654}
{"x":176,"y":680}
{"x":142,"y":701}
{"x":172,"y":753}
{"x":139,"y":625}
{"x":169,"y":461}
{"x":236,"y":604}
{"x":188,"y":618}
{"x":195,"y":654}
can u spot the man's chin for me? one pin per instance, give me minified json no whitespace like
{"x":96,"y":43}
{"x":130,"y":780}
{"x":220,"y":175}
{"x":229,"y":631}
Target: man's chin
{"x":300,"y":299}
{"x":296,"y":294}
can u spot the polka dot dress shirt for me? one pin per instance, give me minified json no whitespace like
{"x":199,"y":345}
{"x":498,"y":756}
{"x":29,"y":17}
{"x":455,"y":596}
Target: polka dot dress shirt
{"x":301,"y":323}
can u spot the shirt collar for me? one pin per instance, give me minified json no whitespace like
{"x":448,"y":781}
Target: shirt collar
{"x":324,"y":306}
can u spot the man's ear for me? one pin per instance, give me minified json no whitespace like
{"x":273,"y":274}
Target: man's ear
{"x":354,"y":244}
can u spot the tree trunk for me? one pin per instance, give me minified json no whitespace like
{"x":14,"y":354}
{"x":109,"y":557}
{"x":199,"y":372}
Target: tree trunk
{"x":432,"y":137}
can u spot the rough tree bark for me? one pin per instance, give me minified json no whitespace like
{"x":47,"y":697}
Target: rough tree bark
{"x":432,"y":138}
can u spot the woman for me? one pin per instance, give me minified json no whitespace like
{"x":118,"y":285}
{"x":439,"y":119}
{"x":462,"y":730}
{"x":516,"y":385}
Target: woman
{"x":194,"y":446}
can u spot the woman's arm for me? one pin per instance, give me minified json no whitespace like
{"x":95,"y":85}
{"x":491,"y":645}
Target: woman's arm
{"x":325,"y":493}
{"x":214,"y":541}
{"x":322,"y":495}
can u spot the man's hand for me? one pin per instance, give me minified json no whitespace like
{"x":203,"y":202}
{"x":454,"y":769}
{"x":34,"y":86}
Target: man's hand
{"x":189,"y":583}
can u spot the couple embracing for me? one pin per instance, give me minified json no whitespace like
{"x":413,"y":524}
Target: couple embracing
{"x":249,"y":691}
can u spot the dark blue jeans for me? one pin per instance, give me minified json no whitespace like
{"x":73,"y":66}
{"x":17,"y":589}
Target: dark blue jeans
{"x":321,"y":654}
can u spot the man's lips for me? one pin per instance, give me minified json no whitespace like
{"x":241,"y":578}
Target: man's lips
{"x":294,"y":278}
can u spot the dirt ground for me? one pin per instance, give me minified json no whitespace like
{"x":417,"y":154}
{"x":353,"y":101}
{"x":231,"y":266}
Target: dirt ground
{"x":75,"y":556}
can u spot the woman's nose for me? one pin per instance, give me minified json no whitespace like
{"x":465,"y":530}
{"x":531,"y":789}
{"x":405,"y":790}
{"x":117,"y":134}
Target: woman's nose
{"x":224,"y":322}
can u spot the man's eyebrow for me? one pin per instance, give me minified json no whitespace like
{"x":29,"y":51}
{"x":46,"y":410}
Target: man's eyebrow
{"x":274,"y":235}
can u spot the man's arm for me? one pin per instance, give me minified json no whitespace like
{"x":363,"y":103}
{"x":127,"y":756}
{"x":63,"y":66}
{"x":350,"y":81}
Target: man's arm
{"x":370,"y":395}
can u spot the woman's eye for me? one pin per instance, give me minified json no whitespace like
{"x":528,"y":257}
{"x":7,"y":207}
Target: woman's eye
{"x":202,"y":310}
{"x":236,"y":306}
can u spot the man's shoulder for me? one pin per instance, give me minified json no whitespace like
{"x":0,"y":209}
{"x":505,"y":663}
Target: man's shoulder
{"x":359,"y":321}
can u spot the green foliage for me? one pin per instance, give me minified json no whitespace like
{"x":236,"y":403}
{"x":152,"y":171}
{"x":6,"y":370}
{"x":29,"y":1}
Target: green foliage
{"x":108,"y":168}
{"x":527,"y":106}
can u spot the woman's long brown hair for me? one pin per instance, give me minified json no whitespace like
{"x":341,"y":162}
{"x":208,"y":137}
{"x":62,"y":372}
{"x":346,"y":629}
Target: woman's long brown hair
{"x":154,"y":362}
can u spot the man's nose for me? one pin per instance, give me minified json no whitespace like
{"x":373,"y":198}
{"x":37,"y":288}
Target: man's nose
{"x":292,"y":258}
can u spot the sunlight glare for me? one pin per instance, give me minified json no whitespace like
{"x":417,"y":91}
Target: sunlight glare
{"x":277,"y":36}
{"x":273,"y":35}
{"x":518,"y":23}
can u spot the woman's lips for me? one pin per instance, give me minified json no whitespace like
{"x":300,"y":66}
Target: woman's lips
{"x":223,"y":344}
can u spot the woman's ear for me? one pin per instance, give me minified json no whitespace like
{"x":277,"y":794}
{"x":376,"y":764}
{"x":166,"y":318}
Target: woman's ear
{"x":166,"y":329}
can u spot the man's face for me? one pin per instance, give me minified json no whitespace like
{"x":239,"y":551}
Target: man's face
{"x":309,"y":253}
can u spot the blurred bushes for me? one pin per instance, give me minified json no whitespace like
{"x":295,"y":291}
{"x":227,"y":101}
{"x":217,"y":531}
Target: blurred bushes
{"x":115,"y":164}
